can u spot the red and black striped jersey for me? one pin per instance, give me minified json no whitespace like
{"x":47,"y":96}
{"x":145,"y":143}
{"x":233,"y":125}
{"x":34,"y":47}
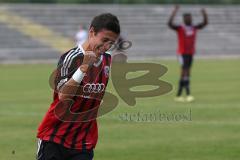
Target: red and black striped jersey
{"x":76,"y":129}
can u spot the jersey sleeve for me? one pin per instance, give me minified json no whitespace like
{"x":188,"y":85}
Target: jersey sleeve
{"x":67,"y":65}
{"x":178,"y":28}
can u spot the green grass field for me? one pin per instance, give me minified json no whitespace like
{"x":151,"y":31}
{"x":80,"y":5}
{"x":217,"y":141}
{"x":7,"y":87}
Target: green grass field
{"x":212,"y":134}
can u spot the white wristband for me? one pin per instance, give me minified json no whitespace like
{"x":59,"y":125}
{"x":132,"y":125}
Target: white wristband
{"x":78,"y":76}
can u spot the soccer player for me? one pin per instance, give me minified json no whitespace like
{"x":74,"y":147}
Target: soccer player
{"x":186,"y":48}
{"x":83,"y":69}
{"x":81,"y":35}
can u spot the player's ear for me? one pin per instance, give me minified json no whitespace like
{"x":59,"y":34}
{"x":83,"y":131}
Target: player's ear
{"x":92,"y":32}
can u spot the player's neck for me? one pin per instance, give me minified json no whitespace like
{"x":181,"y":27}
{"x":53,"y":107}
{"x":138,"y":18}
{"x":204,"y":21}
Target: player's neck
{"x":188,"y":25}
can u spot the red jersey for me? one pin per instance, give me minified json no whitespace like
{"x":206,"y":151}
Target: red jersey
{"x":186,"y":39}
{"x":72,"y":133}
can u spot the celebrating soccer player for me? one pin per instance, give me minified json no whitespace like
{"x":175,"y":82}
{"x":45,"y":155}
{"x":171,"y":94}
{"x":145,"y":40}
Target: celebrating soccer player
{"x":80,"y":83}
{"x":186,"y":48}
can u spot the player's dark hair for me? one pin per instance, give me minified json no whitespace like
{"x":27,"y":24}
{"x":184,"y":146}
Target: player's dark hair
{"x":187,"y":15}
{"x":106,"y":21}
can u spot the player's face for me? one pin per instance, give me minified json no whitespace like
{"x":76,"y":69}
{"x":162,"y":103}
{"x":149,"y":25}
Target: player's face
{"x":187,"y":20}
{"x":102,"y":41}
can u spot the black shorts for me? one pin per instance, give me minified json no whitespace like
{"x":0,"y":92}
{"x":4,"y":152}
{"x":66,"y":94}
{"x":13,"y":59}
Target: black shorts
{"x":53,"y":151}
{"x":186,"y":61}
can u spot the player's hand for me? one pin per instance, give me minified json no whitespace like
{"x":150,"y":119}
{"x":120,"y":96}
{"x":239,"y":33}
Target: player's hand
{"x":88,"y":60}
{"x":176,"y":8}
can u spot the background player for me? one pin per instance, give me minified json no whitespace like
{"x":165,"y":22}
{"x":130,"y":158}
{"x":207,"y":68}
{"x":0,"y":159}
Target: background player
{"x":186,"y":48}
{"x":81,"y":36}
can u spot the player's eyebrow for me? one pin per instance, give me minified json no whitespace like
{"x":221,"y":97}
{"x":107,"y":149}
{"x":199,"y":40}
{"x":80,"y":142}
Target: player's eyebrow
{"x":108,"y":39}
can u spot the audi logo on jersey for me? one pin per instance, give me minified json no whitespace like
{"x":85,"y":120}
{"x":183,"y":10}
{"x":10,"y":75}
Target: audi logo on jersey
{"x":94,"y":88}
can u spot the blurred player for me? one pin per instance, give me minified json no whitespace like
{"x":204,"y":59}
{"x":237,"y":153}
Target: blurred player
{"x":81,"y":36}
{"x":84,"y":68}
{"x":186,"y":48}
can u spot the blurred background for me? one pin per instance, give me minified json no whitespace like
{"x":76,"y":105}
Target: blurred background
{"x":32,"y":31}
{"x":34,"y":34}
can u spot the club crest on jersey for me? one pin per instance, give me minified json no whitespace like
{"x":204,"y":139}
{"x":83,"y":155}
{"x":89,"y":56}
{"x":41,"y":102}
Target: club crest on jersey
{"x":189,"y":31}
{"x":106,"y":71}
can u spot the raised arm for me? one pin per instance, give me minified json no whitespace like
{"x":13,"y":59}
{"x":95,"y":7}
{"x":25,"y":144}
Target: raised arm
{"x":70,"y":88}
{"x":171,"y":19}
{"x":205,"y":20}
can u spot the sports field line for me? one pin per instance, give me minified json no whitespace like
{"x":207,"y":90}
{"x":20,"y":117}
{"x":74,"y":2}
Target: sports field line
{"x":36,"y":31}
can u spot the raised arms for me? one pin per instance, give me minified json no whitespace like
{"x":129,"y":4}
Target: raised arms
{"x":171,"y":19}
{"x":205,"y":20}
